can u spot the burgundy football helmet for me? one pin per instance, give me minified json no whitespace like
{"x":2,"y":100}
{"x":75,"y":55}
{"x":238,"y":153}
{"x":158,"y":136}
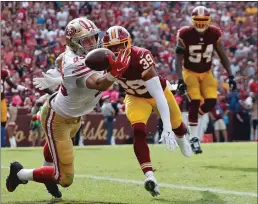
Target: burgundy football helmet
{"x":117,"y":38}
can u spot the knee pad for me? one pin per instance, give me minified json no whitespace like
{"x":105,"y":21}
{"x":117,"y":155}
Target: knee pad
{"x":208,"y":105}
{"x":47,"y":153}
{"x":66,"y":180}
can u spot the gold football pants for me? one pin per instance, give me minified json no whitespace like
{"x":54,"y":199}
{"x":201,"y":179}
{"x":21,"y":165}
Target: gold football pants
{"x":200,"y":85}
{"x":138,"y":109}
{"x":60,"y":132}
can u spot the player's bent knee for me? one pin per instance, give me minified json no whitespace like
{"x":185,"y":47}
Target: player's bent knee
{"x":66,"y":180}
{"x":209,"y":104}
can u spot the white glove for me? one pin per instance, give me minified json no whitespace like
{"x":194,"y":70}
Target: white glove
{"x":21,"y":88}
{"x":46,"y":81}
{"x":169,"y":139}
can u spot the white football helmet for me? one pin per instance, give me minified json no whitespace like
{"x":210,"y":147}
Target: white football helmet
{"x":77,"y":30}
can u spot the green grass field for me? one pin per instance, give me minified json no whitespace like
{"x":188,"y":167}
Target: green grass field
{"x":227,"y":169}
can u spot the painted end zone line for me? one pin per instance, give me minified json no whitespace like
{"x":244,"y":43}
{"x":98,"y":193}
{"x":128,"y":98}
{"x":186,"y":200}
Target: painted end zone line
{"x":166,"y":185}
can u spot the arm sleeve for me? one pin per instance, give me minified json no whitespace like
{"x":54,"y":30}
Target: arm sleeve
{"x":154,"y":88}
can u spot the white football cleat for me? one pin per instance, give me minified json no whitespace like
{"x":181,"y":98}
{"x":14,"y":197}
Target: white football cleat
{"x":151,"y":185}
{"x":185,"y":146}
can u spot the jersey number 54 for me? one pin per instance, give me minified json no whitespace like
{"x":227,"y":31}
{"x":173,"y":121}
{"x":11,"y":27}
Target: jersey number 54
{"x":196,"y":55}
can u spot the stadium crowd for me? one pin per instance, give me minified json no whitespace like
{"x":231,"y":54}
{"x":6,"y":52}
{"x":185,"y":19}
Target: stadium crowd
{"x":32,"y":37}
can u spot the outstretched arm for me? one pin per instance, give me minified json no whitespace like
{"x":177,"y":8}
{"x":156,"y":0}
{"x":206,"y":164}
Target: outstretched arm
{"x":154,"y":87}
{"x":96,"y":81}
{"x":118,"y":67}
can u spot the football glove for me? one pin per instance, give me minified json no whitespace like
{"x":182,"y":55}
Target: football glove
{"x":181,"y":88}
{"x":120,"y":64}
{"x":169,"y":139}
{"x":46,"y":81}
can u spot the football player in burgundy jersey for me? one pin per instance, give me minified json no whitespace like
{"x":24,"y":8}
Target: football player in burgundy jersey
{"x":5,"y":77}
{"x":146,"y":91}
{"x":195,"y":46}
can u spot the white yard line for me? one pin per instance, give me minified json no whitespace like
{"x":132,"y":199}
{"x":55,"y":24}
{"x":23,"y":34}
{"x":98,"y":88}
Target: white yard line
{"x":166,"y":185}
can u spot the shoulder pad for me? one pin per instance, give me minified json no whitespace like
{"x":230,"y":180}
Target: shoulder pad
{"x":216,"y":30}
{"x":183,"y":30}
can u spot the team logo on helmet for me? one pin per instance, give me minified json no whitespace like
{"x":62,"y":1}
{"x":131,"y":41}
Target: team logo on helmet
{"x":70,"y":31}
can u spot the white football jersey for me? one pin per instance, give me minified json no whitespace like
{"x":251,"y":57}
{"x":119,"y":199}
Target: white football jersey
{"x":71,"y":100}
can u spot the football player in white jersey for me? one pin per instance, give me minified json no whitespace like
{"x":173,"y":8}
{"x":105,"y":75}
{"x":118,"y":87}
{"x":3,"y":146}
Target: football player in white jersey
{"x":78,"y":94}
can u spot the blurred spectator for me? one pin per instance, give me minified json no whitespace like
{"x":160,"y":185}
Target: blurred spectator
{"x":252,"y":105}
{"x":109,"y":113}
{"x":33,"y":36}
{"x":217,"y":116}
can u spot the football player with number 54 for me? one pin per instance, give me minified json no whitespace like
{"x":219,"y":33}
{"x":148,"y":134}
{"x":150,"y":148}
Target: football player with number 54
{"x":146,"y":91}
{"x":195,"y":46}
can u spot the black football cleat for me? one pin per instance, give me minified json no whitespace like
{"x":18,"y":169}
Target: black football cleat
{"x":12,"y":180}
{"x":195,"y":145}
{"x":52,"y":188}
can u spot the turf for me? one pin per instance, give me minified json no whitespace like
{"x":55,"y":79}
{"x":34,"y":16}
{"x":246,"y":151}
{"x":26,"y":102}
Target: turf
{"x":227,"y":166}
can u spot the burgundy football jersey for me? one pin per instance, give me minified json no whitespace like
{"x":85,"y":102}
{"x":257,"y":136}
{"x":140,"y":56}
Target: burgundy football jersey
{"x":198,"y":47}
{"x":4,"y":75}
{"x":131,"y":80}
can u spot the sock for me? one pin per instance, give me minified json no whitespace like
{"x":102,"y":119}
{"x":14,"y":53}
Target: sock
{"x":25,"y":174}
{"x":44,"y":175}
{"x":193,"y":131}
{"x":141,"y":148}
{"x":149,"y":174}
